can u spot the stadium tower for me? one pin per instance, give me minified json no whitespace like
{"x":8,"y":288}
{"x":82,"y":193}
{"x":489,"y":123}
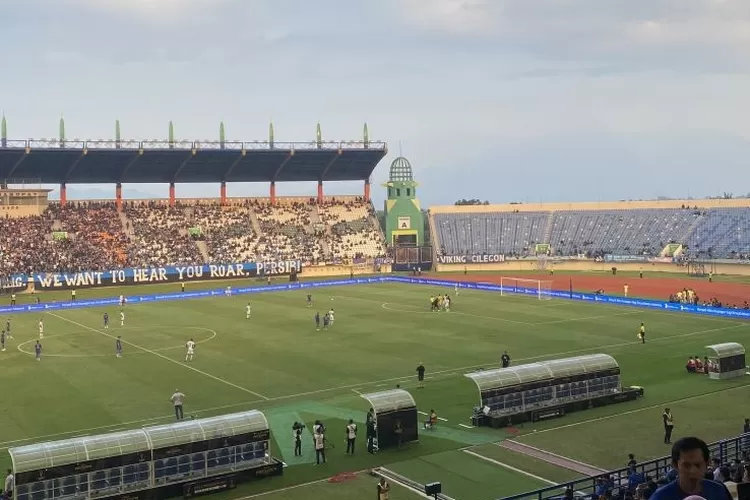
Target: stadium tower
{"x":404,"y":220}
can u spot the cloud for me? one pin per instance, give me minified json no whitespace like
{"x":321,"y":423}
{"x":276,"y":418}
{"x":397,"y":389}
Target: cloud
{"x":643,"y":34}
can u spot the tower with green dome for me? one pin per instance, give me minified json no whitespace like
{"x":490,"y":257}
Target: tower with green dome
{"x":404,"y":220}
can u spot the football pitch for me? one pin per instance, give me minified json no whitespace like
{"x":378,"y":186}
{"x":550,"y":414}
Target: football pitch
{"x":278,"y":363}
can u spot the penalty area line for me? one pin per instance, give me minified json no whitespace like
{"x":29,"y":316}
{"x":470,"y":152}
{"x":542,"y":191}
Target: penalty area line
{"x":166,"y":358}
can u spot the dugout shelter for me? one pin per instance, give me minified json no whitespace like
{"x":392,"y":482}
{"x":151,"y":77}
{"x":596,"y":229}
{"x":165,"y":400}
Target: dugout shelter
{"x":393,"y":409}
{"x":548,"y":389}
{"x":726,"y":361}
{"x":186,"y":458}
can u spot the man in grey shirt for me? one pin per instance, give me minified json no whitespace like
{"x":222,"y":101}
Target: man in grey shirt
{"x":177,"y":399}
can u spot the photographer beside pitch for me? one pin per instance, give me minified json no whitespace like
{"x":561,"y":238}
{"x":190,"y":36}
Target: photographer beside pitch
{"x":319,"y":439}
{"x":297,"y":429}
{"x":351,"y":436}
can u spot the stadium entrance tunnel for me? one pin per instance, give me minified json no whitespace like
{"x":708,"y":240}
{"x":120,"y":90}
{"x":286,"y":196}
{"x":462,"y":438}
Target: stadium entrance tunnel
{"x":548,"y":389}
{"x":392,"y":420}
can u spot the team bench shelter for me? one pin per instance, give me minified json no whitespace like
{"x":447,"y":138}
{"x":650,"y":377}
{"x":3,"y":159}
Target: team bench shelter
{"x":548,"y":389}
{"x":187,"y":458}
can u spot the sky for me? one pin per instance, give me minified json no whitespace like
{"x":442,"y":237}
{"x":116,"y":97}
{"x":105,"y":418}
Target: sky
{"x":502,"y":100}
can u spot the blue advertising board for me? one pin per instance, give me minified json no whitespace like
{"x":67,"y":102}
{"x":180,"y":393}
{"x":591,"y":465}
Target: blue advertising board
{"x":567,"y":295}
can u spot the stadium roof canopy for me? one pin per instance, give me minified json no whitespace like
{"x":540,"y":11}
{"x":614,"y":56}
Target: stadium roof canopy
{"x":51,"y":161}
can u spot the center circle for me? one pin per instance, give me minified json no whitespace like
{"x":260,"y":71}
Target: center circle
{"x":131,"y":349}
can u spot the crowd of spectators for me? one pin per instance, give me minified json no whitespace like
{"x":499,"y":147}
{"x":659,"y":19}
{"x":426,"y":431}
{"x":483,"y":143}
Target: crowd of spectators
{"x":159,"y":235}
{"x":96,"y":236}
{"x":25,"y":245}
{"x":287,"y":233}
{"x":227,"y":231}
{"x":354,"y":233}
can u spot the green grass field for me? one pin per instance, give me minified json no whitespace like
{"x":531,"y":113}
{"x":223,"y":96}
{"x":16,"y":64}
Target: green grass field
{"x":278,"y":363}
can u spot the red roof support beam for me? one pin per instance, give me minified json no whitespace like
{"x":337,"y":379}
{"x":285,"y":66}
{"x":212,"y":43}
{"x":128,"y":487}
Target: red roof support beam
{"x":367,"y":190}
{"x":320,"y":191}
{"x":272,"y":193}
{"x":63,"y":195}
{"x":223,"y":192}
{"x":118,"y":196}
{"x":171,"y":194}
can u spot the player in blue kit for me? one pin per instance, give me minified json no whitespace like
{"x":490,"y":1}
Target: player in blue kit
{"x":309,"y":300}
{"x":7,"y":329}
{"x":326,"y":320}
{"x":2,"y":340}
{"x":38,"y":350}
{"x":118,"y":347}
{"x":317,"y":321}
{"x":106,"y":321}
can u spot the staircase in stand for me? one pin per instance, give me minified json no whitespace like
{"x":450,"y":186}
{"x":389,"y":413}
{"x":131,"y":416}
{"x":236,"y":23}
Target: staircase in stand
{"x":125,"y":225}
{"x":255,"y":223}
{"x":697,"y":222}
{"x":204,"y":249}
{"x":314,"y":221}
{"x":548,"y":228}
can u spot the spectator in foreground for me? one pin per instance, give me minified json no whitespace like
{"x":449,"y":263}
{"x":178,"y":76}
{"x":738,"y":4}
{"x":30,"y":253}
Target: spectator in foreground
{"x":690,"y":458}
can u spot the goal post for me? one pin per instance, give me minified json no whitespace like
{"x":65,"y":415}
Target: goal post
{"x":542,"y":289}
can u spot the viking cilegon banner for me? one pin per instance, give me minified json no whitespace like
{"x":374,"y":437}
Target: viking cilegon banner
{"x":167,"y":274}
{"x":471,"y":259}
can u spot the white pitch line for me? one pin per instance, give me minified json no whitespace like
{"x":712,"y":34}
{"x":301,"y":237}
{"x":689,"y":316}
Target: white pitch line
{"x":355,"y":391}
{"x":631,"y":412}
{"x":466,"y":426}
{"x":383,"y":382}
{"x":587,"y":318}
{"x":510,"y":467}
{"x":196,"y":370}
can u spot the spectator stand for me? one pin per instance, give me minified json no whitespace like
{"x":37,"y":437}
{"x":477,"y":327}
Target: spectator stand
{"x":549,"y":389}
{"x":394,"y":409}
{"x":727,"y":451}
{"x":726,"y":361}
{"x":154,"y":462}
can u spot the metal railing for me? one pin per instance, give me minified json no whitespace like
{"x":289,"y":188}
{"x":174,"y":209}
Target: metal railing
{"x":726,"y":450}
{"x":183,"y":145}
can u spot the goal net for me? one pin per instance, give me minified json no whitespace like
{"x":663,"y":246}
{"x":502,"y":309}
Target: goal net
{"x":523,"y":286}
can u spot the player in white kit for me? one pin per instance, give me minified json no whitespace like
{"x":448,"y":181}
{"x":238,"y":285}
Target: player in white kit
{"x":41,"y":329}
{"x":122,"y":300}
{"x":248,"y":311}
{"x":190,"y":346}
{"x":228,"y":291}
{"x":330,"y":316}
{"x":122,"y":318}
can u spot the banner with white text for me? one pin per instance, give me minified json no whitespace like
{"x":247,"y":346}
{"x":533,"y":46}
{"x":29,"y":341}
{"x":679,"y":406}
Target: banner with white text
{"x":471,"y":259}
{"x":168,"y":274}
